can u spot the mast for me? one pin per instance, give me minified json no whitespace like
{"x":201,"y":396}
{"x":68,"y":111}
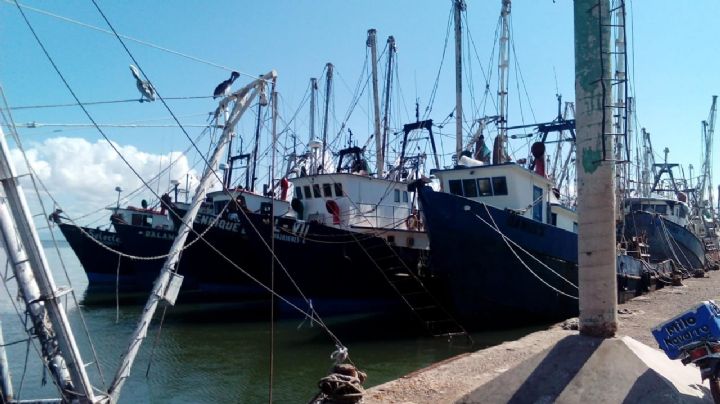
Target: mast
{"x":313,"y":103}
{"x":168,"y":282}
{"x":328,"y":89}
{"x":459,"y":7}
{"x":648,"y":162}
{"x":708,"y":132}
{"x":380,"y":160}
{"x":35,"y":282}
{"x":388,"y":90}
{"x":595,"y":174}
{"x":255,"y":148}
{"x":503,"y":76}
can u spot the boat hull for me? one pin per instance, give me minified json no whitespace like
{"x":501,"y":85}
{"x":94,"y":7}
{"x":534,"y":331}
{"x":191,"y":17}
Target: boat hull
{"x":678,"y":244}
{"x":480,"y":276}
{"x":212,"y":267}
{"x":103,"y":267}
{"x":328,"y":265}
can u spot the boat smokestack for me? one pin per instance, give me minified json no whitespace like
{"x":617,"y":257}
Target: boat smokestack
{"x":538,"y":152}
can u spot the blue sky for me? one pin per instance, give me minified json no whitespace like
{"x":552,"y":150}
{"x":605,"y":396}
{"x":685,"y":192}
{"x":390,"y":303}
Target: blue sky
{"x":673,"y":70}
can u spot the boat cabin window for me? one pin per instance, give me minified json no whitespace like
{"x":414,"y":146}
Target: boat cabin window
{"x":397,"y":195}
{"x":298,"y":192}
{"x":338,"y":189}
{"x":480,"y":187}
{"x":141,"y":220}
{"x":537,"y":204}
{"x":575,"y":227}
{"x":405,"y":196}
{"x":553,"y":219}
{"x":327,"y":191}
{"x":308,"y":194}
{"x":499,"y":185}
{"x":469,"y":188}
{"x":661,"y":209}
{"x":635,"y":207}
{"x":484,"y":187}
{"x":316,"y":190}
{"x":682,"y":211}
{"x":456,"y":187}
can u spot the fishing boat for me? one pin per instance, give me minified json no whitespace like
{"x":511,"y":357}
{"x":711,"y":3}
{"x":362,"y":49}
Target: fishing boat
{"x":101,"y":253}
{"x":127,"y":255}
{"x":502,"y":243}
{"x":664,"y":222}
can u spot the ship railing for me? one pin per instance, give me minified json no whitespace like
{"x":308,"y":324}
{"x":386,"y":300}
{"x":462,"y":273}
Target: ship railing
{"x":379,"y":216}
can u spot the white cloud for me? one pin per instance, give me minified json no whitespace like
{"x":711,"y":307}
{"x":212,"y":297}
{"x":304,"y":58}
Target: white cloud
{"x":82,"y":176}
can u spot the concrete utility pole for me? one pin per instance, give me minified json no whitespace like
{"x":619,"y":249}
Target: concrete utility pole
{"x":459,"y":7}
{"x":595,"y":177}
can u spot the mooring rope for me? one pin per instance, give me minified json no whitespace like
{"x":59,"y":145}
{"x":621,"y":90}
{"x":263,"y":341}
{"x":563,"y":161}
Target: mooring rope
{"x":507,"y":243}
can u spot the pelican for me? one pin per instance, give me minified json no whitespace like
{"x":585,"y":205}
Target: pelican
{"x":223,"y":88}
{"x":146,"y":89}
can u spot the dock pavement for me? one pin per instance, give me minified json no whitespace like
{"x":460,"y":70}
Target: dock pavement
{"x":452,"y":379}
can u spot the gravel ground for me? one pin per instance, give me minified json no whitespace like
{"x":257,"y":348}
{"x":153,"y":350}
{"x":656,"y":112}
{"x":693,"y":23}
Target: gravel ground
{"x":448,"y":381}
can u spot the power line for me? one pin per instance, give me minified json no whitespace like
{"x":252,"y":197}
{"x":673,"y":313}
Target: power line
{"x":33,"y":125}
{"x":101,"y":102}
{"x":139,"y":41}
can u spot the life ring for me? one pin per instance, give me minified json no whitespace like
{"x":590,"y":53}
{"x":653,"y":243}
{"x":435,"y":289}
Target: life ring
{"x":412,"y":222}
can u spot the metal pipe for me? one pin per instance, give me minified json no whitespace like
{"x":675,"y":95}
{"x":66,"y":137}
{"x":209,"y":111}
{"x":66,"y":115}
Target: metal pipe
{"x":242,"y":99}
{"x":6,"y":390}
{"x":372,"y":44}
{"x":60,"y":351}
{"x":388,"y":91}
{"x":328,"y":91}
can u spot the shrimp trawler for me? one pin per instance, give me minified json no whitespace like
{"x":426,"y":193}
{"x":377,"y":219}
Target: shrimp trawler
{"x":665,"y":223}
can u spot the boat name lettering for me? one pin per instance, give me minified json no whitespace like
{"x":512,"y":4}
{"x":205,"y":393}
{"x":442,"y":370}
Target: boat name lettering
{"x":221,"y":223}
{"x":159,"y":234}
{"x":296,"y":235}
{"x":105,"y":238}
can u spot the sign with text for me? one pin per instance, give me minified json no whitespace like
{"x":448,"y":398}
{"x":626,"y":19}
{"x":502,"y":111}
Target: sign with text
{"x":701,"y":323}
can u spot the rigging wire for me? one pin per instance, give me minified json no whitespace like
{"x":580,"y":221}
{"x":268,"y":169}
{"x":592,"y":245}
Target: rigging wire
{"x":24,"y":321}
{"x":100,"y":102}
{"x":19,"y":145}
{"x":141,"y":42}
{"x":433,"y":92}
{"x":87,"y":113}
{"x":312,"y":315}
{"x":32,"y":125}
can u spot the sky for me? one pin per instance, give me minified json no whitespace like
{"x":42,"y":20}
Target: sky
{"x":673,"y":74}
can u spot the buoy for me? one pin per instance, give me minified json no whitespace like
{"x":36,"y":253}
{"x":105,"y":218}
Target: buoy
{"x":333,"y":208}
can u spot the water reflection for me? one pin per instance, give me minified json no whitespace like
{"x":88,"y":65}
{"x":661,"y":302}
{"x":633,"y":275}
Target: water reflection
{"x":207,"y":353}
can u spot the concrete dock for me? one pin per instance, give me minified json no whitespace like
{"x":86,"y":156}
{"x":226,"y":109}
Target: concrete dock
{"x":471,"y":377}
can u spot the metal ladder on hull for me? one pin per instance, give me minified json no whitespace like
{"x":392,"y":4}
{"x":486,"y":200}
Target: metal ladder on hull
{"x":436,"y":320}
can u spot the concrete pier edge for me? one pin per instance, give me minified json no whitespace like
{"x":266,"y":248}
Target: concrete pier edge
{"x":457,"y":377}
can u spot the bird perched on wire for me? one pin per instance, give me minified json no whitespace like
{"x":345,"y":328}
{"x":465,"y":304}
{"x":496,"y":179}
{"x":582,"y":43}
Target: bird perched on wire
{"x":223,"y":88}
{"x":146,"y":89}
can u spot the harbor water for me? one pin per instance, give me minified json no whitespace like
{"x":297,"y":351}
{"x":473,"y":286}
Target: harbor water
{"x":210,"y":353}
